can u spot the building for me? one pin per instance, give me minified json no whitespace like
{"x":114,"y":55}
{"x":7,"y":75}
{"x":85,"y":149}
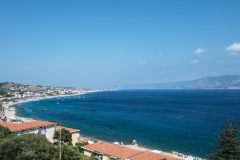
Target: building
{"x":108,"y":151}
{"x":153,"y":156}
{"x":42,"y":127}
{"x":74,"y":132}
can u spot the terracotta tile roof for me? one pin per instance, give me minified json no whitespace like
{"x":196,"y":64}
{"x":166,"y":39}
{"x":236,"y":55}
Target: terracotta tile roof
{"x":112,"y":150}
{"x":14,"y":127}
{"x":153,"y":156}
{"x":71,"y":130}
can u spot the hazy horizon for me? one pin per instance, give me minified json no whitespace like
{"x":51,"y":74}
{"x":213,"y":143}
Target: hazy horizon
{"x":89,"y":44}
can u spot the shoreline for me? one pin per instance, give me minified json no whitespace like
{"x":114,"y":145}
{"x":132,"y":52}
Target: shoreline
{"x":11,"y":112}
{"x":174,"y":154}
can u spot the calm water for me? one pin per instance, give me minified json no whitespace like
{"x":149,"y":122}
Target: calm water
{"x":180,"y":120}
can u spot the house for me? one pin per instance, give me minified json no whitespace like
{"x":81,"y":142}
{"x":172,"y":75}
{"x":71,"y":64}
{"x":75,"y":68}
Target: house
{"x":153,"y":156}
{"x":108,"y":151}
{"x":74,"y":132}
{"x":43,"y":127}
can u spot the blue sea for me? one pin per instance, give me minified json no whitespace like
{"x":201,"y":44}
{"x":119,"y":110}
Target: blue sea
{"x":179,"y":120}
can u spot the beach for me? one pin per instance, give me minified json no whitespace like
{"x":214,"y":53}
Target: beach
{"x":10,"y":112}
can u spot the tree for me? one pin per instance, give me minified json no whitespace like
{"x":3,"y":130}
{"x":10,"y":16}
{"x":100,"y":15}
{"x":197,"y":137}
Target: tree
{"x":1,"y":108}
{"x":40,"y":144}
{"x":79,"y":146}
{"x":5,"y":119}
{"x":228,"y":143}
{"x":70,"y":153}
{"x":66,"y":136}
{"x":4,"y":131}
{"x":14,"y":148}
{"x":56,"y":122}
{"x":27,"y":147}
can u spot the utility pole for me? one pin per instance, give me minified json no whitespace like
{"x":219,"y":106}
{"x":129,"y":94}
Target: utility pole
{"x":60,"y":143}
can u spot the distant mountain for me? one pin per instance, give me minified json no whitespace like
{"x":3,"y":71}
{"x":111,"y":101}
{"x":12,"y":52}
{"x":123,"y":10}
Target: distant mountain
{"x":217,"y":82}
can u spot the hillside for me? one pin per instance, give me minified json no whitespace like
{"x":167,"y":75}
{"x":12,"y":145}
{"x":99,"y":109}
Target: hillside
{"x":216,"y":82}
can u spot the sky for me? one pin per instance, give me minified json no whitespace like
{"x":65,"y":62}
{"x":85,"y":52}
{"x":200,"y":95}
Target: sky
{"x":94,"y":43}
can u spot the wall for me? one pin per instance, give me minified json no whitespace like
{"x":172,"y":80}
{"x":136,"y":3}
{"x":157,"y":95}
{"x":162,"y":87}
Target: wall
{"x":87,"y":153}
{"x":105,"y":158}
{"x":75,"y":138}
{"x":50,"y":132}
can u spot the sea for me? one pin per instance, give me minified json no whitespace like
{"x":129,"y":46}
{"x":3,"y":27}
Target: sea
{"x":185,"y":121}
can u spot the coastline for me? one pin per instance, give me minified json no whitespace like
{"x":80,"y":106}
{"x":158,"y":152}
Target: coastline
{"x":11,"y":112}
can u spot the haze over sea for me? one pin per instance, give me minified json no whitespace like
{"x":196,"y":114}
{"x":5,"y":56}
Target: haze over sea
{"x":180,"y":120}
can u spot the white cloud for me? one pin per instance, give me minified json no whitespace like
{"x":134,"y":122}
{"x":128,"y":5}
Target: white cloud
{"x":233,"y":47}
{"x":141,"y":62}
{"x":200,"y":51}
{"x":195,"y":61}
{"x":232,"y":54}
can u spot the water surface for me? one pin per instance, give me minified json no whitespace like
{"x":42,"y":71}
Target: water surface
{"x":180,"y":120}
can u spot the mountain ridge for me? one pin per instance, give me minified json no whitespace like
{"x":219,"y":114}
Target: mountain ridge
{"x":211,"y":82}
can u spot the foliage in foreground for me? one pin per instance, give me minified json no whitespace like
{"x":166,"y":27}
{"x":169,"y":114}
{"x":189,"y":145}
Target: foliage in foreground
{"x":228,"y":143}
{"x":66,"y":136}
{"x":36,"y":147}
{"x":4,"y":131}
{"x":28,"y":146}
{"x":79,"y":145}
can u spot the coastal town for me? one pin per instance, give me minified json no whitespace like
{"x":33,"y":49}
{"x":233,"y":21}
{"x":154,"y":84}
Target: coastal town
{"x":12,"y":93}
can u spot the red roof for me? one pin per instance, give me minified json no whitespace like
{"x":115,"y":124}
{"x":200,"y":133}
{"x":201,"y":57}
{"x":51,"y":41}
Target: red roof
{"x":153,"y":156}
{"x":14,"y":127}
{"x":112,"y":150}
{"x":71,"y":130}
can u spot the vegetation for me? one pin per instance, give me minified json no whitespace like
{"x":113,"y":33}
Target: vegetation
{"x":79,"y":146}
{"x":66,"y":136}
{"x":70,"y":153}
{"x":36,"y":147}
{"x":1,"y":108}
{"x":28,"y":146}
{"x":228,"y":143}
{"x":3,"y":91}
{"x":56,"y":122}
{"x":4,"y":132}
{"x":5,"y":119}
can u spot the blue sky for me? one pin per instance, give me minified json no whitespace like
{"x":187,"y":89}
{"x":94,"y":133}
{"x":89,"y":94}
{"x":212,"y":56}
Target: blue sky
{"x":84,"y":43}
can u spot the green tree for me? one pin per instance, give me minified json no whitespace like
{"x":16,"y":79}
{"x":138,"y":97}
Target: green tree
{"x":5,"y":119}
{"x":66,"y":136}
{"x":4,"y":131}
{"x":79,"y":145}
{"x":84,"y":157}
{"x":14,"y":149}
{"x":70,"y":153}
{"x":56,"y":122}
{"x":228,"y":143}
{"x":27,"y":146}
{"x":1,"y":108}
{"x":40,"y":144}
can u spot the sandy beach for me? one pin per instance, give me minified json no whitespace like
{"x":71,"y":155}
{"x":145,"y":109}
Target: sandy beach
{"x":10,"y":111}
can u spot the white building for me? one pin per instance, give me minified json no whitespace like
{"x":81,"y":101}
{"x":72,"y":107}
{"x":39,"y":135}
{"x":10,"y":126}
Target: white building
{"x":37,"y":127}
